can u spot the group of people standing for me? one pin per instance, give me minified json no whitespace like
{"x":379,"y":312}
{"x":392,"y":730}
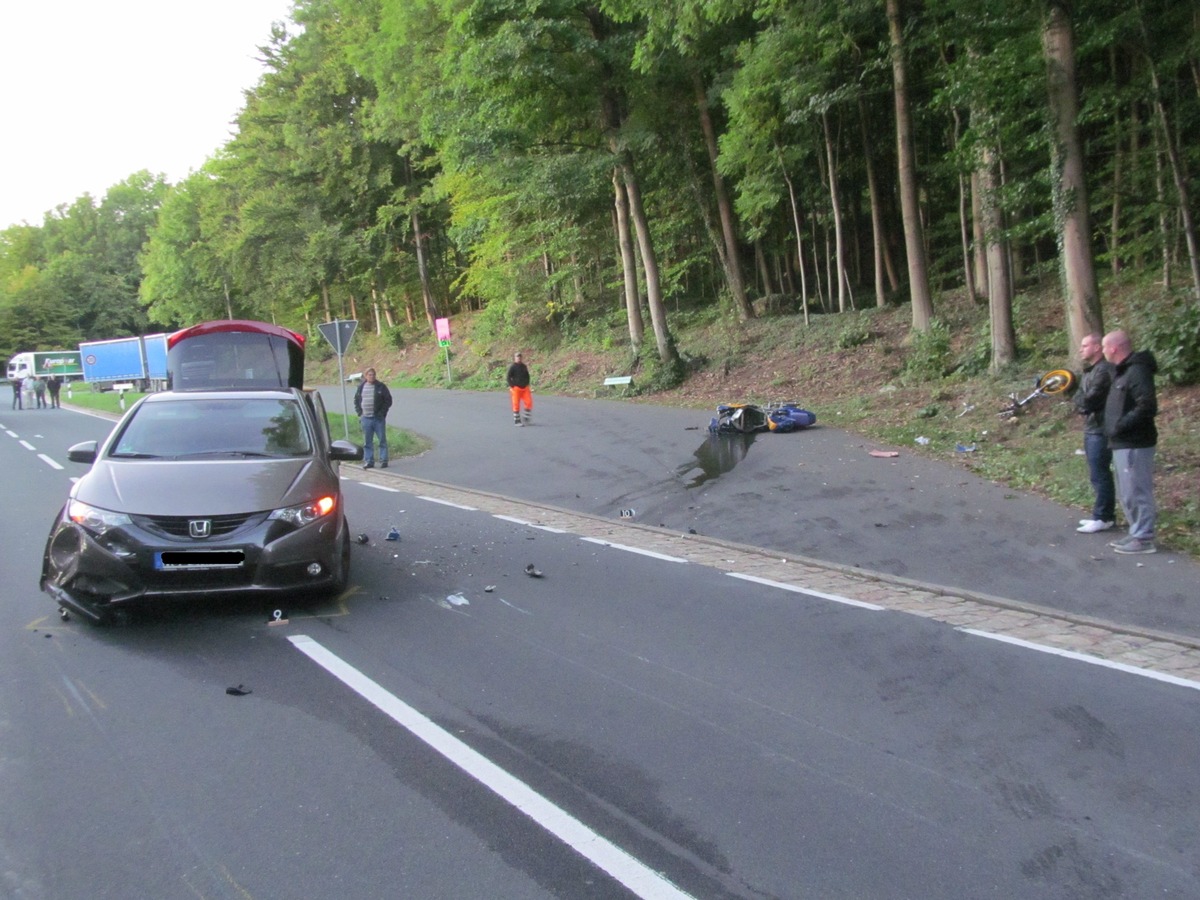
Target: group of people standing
{"x":1118,"y":402}
{"x":37,"y":388}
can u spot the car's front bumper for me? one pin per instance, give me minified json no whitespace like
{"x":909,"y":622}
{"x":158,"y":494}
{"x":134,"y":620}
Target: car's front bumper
{"x":93,"y":575}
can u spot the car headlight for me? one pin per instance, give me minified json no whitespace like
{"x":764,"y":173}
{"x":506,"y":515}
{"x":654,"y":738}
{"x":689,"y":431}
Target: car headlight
{"x":305,"y":513}
{"x":94,"y":519}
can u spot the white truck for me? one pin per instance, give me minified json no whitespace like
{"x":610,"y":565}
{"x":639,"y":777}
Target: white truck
{"x":44,"y":363}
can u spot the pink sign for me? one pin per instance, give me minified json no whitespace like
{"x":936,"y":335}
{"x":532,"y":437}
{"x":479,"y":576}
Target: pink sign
{"x":443,"y":331}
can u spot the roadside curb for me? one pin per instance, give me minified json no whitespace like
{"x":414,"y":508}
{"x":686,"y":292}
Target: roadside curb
{"x":1174,"y":655}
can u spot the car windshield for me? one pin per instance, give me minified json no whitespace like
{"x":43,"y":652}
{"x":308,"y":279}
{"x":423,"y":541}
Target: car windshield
{"x":231,"y":427}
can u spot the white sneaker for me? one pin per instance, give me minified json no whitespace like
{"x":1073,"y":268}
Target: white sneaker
{"x":1091,"y":526}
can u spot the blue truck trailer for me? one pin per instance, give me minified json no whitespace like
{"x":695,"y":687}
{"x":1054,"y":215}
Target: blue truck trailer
{"x":137,"y":361}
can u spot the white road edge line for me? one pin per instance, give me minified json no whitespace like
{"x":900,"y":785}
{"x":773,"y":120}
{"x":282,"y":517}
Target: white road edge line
{"x":48,"y":461}
{"x":512,"y":519}
{"x":639,"y":878}
{"x":448,"y":503}
{"x":1083,"y":657}
{"x":861,"y":604}
{"x":664,"y":557}
{"x":380,"y":487}
{"x":528,"y":524}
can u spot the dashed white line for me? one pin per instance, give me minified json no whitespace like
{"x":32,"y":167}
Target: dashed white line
{"x":635,"y":875}
{"x":448,"y":503}
{"x":48,"y":461}
{"x":1083,"y":657}
{"x":26,"y":445}
{"x":380,"y":487}
{"x":638,"y":550}
{"x":861,"y":604}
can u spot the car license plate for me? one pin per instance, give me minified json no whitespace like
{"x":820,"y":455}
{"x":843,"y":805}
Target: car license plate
{"x":199,"y":559}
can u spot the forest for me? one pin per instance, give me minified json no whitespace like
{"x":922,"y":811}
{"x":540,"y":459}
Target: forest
{"x":552,"y":164}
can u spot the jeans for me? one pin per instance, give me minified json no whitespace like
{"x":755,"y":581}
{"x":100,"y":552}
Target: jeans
{"x":1135,"y":482}
{"x":1099,"y":458}
{"x":374,"y":427}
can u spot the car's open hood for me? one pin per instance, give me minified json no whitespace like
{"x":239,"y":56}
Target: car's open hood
{"x":202,"y":488}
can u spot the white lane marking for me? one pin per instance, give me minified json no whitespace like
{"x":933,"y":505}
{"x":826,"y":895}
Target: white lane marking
{"x":27,"y":445}
{"x":514,"y":606}
{"x":448,"y":503}
{"x":48,"y":461}
{"x":1083,"y":657}
{"x":11,"y":434}
{"x":637,"y":550}
{"x":526,"y":522}
{"x":380,"y":487}
{"x":861,"y":604}
{"x":635,"y":875}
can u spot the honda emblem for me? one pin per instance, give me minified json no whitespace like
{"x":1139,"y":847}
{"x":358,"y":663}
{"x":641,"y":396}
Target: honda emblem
{"x":200,"y":528}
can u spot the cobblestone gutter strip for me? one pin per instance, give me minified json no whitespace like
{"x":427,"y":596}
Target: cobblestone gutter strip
{"x":1168,"y":654}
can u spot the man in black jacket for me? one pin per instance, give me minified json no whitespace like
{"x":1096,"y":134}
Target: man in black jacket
{"x":517,"y":377}
{"x":1129,"y":423}
{"x":372,"y":400}
{"x":1089,"y":403}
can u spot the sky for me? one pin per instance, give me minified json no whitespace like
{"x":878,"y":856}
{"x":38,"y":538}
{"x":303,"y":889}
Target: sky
{"x":92,"y":92}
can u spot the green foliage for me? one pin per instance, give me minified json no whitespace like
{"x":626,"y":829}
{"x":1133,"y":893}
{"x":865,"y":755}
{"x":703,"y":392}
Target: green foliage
{"x":1172,"y":332}
{"x":855,"y":333}
{"x":930,"y":356}
{"x":395,"y":337}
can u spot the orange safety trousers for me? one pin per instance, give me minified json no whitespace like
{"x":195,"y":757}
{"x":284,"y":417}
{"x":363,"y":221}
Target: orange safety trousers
{"x":521,"y":395}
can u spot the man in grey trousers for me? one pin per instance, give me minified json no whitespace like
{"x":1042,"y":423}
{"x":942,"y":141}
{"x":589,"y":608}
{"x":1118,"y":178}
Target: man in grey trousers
{"x":1129,"y":424}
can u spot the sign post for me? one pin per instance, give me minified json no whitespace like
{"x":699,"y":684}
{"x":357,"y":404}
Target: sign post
{"x":339,"y":333}
{"x":443,"y":336}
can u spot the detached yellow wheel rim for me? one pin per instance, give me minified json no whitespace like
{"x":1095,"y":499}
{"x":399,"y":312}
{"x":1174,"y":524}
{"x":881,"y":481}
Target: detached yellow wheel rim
{"x":1057,"y":381}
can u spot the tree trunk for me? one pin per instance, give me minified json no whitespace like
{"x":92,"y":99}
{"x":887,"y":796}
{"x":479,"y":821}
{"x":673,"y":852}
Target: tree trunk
{"x":964,"y":221}
{"x":732,"y":258}
{"x":978,"y":244}
{"x":877,"y":242}
{"x":431,"y":310}
{"x":1070,"y":190}
{"x":799,"y":228}
{"x":835,"y":201}
{"x":1181,"y":180}
{"x":633,"y":301}
{"x":1164,"y":225}
{"x":641,"y":226}
{"x":1118,"y":183}
{"x":999,"y":288}
{"x":914,"y":236}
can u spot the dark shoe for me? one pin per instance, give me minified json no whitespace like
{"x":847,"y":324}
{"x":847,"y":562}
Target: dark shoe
{"x":1137,"y":545}
{"x":383,"y":465}
{"x":369,"y":465}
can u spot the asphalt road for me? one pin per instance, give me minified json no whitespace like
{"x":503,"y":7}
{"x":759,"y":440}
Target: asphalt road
{"x":728,"y":739}
{"x":814,"y":494}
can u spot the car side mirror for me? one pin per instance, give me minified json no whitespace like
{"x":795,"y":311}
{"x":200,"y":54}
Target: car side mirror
{"x":82,"y":453}
{"x":343,"y":451}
